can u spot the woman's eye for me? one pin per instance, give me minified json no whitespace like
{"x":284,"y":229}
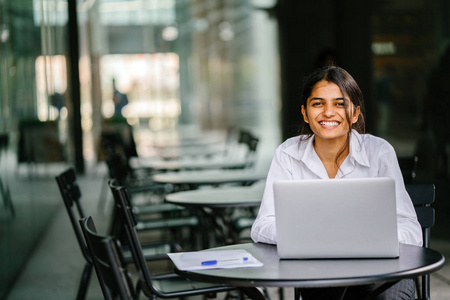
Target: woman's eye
{"x":316,"y":104}
{"x":340,"y":104}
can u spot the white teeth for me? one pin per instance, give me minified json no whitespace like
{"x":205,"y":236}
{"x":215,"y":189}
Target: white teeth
{"x":329,"y":123}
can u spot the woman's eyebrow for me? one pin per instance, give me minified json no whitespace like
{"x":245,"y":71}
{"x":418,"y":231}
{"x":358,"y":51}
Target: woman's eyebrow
{"x":334,"y":99}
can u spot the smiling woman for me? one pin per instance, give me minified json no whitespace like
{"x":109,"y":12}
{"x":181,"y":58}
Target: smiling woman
{"x":332,"y":144}
{"x":329,"y":112}
{"x":332,"y":105}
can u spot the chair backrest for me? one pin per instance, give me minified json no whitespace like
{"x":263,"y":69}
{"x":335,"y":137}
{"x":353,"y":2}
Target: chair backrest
{"x":71,"y":195}
{"x":113,"y":276}
{"x":124,"y":212}
{"x":423,"y":195}
{"x":408,"y":166}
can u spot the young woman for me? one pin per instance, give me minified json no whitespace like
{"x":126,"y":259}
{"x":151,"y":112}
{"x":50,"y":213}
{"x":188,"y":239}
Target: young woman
{"x":332,"y":144}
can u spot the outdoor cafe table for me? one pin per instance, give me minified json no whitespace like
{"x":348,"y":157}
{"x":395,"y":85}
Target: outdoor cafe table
{"x":180,"y":152}
{"x":194,"y":179}
{"x":193,"y":164}
{"x":216,"y":207}
{"x":219,"y":197}
{"x":314,"y":273}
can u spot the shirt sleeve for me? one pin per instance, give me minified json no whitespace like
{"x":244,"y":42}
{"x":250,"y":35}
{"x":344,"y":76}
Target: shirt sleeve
{"x":263,"y":229}
{"x":408,"y":227}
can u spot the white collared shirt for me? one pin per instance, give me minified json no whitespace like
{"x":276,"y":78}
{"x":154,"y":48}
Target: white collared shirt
{"x":369,"y":156}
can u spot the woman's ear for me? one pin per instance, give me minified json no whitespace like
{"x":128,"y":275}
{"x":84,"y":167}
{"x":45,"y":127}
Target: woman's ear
{"x":305,"y":116}
{"x":356,"y":115}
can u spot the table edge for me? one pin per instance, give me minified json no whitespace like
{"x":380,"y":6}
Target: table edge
{"x":330,"y":282}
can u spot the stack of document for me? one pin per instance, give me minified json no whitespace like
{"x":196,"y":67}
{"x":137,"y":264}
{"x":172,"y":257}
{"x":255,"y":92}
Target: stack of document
{"x":222,"y":259}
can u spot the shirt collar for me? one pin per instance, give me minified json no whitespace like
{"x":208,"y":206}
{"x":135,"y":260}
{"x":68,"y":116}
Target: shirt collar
{"x":300,"y":150}
{"x":357,"y":150}
{"x":304,"y":150}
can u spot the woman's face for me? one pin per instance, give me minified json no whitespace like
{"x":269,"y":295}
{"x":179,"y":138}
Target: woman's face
{"x":325,"y":111}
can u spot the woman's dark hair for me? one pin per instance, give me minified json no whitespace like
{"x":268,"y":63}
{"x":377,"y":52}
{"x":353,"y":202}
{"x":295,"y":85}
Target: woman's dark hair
{"x":349,"y":89}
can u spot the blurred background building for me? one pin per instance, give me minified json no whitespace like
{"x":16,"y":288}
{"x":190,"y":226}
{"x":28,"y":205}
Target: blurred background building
{"x":202,"y":65}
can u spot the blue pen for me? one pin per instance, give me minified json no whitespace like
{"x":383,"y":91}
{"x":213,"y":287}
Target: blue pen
{"x":215,"y":261}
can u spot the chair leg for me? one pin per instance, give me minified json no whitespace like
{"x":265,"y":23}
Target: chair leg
{"x":84,"y":282}
{"x":280,"y":293}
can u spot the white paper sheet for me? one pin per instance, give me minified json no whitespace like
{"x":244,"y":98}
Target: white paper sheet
{"x":223,"y":259}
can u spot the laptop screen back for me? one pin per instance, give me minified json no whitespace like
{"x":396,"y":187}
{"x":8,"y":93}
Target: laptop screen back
{"x":336,"y":218}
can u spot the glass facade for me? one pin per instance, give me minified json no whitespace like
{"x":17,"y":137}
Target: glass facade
{"x":168,"y":64}
{"x":194,"y":64}
{"x":32,"y":73}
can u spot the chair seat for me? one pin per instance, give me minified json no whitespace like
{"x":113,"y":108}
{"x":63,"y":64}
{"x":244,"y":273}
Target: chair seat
{"x":180,"y":285}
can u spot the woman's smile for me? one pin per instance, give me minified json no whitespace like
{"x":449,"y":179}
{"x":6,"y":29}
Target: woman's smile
{"x":329,"y":124}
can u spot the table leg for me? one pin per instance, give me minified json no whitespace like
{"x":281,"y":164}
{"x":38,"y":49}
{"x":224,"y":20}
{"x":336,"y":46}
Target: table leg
{"x":205,"y":225}
{"x":214,"y":222}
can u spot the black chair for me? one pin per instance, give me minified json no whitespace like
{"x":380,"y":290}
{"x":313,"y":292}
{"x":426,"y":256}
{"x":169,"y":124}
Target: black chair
{"x":150,"y":215}
{"x":146,"y":188}
{"x":174,"y":222}
{"x":71,"y":195}
{"x":113,"y":276}
{"x":422,"y":196}
{"x":408,"y":166}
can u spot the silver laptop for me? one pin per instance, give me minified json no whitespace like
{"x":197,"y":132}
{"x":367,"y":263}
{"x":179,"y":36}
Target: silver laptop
{"x":336,"y":218}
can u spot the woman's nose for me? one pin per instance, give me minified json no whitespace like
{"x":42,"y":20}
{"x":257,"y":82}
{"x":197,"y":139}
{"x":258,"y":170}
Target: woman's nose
{"x":329,"y":111}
